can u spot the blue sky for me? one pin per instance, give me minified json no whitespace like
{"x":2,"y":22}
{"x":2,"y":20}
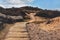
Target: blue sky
{"x":44,"y":4}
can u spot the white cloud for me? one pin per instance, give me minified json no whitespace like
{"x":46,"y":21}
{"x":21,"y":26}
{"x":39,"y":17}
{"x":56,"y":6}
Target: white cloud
{"x":30,"y":0}
{"x":2,"y":5}
{"x":19,"y":1}
{"x":9,"y":6}
{"x":16,"y":3}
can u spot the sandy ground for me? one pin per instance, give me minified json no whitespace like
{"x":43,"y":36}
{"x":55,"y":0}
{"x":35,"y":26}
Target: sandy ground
{"x":4,"y":31}
{"x":16,"y":30}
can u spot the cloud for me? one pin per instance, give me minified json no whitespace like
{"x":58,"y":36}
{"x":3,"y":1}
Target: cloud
{"x":15,"y":3}
{"x":2,"y":5}
{"x":19,"y":1}
{"x":30,"y":0}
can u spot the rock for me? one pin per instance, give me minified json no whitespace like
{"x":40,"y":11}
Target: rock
{"x":2,"y":15}
{"x":10,"y":18}
{"x":15,"y":17}
{"x":1,"y":24}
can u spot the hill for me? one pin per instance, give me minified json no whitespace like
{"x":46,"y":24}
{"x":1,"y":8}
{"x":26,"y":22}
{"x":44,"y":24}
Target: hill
{"x":42,"y":24}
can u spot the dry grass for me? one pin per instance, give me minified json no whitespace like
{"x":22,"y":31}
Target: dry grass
{"x":44,"y":31}
{"x":53,"y":25}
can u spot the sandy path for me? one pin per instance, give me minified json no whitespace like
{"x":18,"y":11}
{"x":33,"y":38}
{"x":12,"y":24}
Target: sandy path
{"x":17,"y":32}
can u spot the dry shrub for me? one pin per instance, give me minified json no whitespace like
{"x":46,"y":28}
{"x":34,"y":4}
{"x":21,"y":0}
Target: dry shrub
{"x":44,"y":31}
{"x":54,"y":22}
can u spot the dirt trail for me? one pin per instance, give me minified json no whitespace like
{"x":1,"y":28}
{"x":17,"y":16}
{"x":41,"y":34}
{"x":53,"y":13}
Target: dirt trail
{"x":17,"y":32}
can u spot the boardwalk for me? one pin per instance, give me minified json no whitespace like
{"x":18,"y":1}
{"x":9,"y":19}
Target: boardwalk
{"x":17,"y":32}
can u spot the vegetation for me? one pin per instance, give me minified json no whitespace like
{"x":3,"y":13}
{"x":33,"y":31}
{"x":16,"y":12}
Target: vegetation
{"x":12,"y":15}
{"x":41,"y":21}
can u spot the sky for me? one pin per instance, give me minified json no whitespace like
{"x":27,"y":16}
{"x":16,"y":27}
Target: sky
{"x":44,"y":4}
